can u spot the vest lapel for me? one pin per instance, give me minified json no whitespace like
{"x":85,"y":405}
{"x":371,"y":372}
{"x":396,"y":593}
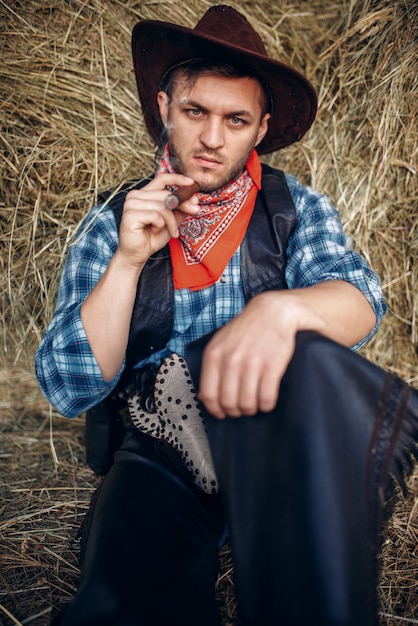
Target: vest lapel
{"x":263,"y":250}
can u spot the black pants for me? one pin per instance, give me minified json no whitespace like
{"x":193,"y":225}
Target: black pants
{"x":302,"y":490}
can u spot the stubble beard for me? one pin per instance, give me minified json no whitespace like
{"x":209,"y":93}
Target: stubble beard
{"x":233,"y":172}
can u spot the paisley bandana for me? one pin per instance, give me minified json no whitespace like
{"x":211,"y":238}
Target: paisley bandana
{"x":207,"y":241}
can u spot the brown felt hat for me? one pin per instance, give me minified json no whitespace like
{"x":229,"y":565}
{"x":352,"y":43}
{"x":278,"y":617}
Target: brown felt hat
{"x":226,"y":35}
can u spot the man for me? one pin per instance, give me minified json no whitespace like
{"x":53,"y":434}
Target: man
{"x":261,"y":260}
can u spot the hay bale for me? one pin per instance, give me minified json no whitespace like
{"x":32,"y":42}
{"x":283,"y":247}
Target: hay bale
{"x":72,"y":126}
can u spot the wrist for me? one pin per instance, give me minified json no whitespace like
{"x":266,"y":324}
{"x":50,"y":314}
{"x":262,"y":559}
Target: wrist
{"x":128,"y":268}
{"x":292,"y":310}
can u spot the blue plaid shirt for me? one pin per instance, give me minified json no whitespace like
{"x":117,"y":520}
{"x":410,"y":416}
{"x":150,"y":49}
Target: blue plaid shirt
{"x":66,"y":368}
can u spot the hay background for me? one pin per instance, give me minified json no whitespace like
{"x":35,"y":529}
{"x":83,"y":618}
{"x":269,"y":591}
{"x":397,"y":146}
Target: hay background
{"x":72,"y":126}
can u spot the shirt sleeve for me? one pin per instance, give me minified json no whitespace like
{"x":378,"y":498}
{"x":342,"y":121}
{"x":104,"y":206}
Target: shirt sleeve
{"x":66,"y":368}
{"x":318,"y":250}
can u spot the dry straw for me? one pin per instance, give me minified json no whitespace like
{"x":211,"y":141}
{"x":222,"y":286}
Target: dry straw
{"x":72,"y":126}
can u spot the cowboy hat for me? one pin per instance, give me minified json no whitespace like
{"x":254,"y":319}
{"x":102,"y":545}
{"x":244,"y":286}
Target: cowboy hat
{"x":226,"y":35}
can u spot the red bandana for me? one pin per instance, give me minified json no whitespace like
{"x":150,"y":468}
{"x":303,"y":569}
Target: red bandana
{"x":208,"y":241}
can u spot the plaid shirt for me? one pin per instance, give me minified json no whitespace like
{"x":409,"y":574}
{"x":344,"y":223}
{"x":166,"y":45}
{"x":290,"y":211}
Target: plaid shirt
{"x":66,"y":368}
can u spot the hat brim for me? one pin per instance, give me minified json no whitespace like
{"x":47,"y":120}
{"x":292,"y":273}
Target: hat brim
{"x":158,"y":46}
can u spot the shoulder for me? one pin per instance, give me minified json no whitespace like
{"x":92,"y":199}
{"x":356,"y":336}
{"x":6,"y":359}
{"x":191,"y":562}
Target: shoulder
{"x":300,"y":192}
{"x":309,"y":202}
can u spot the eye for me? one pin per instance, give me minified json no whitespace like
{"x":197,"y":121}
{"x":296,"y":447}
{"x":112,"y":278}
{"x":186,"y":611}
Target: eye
{"x":236,"y":121}
{"x":194,"y":112}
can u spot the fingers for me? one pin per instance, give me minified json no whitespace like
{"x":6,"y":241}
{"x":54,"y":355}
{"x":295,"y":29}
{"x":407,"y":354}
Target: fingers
{"x":244,"y":362}
{"x":147,"y":224}
{"x":149,"y":211}
{"x":154,"y":197}
{"x":156,"y":190}
{"x":233,"y":384}
{"x":168,"y":180}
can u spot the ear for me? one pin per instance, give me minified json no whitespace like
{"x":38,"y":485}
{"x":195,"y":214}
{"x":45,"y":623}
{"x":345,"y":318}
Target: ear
{"x":163,"y":102}
{"x":262,"y":129}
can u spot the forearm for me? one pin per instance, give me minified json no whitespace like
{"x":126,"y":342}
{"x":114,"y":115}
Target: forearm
{"x":106,"y":314}
{"x":335,"y":308}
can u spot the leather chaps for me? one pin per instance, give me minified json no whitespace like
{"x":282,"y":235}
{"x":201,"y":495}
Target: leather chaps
{"x":302,"y":489}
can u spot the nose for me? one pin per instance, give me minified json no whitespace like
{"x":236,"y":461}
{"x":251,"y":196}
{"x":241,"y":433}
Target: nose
{"x":212,"y":135}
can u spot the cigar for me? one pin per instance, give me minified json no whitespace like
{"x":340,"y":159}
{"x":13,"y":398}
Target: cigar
{"x":180,"y":195}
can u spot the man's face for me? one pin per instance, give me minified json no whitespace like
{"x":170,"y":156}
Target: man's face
{"x":212,"y":126}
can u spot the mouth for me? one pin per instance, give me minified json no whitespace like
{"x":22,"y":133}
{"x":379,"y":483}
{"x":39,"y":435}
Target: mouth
{"x":207,"y":162}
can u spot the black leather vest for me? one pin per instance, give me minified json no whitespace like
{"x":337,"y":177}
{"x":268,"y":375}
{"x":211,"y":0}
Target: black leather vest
{"x":263,"y":263}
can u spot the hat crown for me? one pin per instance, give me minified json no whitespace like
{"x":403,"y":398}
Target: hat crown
{"x":224,"y":23}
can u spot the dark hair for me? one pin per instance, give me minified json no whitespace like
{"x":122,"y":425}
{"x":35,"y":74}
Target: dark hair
{"x":193,"y":68}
